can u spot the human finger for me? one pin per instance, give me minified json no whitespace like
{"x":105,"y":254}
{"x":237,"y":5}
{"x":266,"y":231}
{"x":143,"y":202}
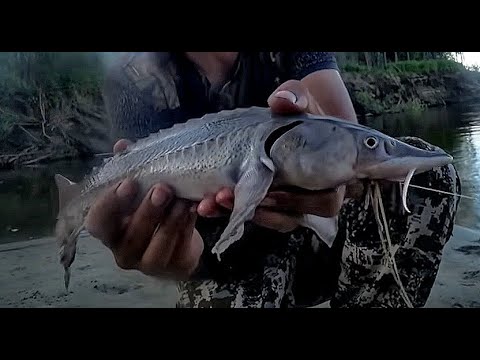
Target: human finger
{"x":158,"y":254}
{"x":106,"y":216}
{"x":142,"y":225}
{"x":290,"y":97}
{"x":275,"y":220}
{"x":121,"y":145}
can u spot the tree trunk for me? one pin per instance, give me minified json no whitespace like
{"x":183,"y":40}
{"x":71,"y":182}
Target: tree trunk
{"x":341,"y":58}
{"x":367,"y":60}
{"x":408,"y":56}
{"x":396,"y":57}
{"x":385,"y":59}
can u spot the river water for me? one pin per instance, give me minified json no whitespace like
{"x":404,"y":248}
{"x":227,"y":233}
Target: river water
{"x":28,"y":197}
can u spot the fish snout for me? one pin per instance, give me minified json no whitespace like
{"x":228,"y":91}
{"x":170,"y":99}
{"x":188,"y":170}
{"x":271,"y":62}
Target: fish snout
{"x":398,"y":149}
{"x":390,"y":146}
{"x":395,"y":159}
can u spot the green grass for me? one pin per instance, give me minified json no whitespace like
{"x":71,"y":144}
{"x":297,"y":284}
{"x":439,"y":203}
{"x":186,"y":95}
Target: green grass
{"x":368,"y":102}
{"x":425,"y":66}
{"x":412,"y":107}
{"x":409,"y":67}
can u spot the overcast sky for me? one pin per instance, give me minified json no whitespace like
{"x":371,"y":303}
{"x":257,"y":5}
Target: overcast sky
{"x":472,"y":58}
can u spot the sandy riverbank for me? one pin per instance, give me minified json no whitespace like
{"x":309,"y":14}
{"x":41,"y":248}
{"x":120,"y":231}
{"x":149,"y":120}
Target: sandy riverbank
{"x":30,"y":276}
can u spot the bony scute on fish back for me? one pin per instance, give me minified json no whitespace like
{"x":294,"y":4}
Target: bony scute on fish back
{"x":303,"y":151}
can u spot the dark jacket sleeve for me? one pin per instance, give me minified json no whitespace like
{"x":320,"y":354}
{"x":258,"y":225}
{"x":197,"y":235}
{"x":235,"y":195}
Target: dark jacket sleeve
{"x":131,"y":112}
{"x":300,"y":64}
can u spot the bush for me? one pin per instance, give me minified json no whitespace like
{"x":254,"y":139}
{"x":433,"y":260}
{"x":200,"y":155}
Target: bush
{"x":54,"y":73}
{"x":354,"y":68}
{"x":368,"y":103}
{"x":412,"y":66}
{"x":54,"y":78}
{"x":425,"y":66}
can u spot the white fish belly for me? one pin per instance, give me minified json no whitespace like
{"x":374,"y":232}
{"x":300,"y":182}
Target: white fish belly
{"x":190,"y":185}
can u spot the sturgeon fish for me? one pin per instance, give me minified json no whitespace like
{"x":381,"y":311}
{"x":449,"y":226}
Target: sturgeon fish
{"x":249,"y":150}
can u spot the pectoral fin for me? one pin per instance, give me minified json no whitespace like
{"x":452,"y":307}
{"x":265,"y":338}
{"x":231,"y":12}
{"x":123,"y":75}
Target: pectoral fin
{"x":250,"y":190}
{"x":326,"y":229}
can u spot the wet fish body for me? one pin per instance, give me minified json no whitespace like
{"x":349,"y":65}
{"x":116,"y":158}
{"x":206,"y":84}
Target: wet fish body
{"x":249,"y":150}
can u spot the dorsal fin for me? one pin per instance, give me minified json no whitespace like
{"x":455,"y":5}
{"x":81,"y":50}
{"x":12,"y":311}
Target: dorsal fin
{"x":176,"y":128}
{"x":67,"y":190}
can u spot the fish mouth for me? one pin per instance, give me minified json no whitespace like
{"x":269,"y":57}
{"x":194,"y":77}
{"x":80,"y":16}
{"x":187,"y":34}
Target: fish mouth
{"x":397,"y":169}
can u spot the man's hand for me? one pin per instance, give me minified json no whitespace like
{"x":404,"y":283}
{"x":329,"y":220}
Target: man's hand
{"x":275,"y":212}
{"x":158,"y":238}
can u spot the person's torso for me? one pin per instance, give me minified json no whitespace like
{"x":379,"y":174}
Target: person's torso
{"x":173,"y":84}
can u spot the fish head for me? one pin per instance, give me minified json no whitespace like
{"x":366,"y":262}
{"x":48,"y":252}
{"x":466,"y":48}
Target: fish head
{"x":315,"y":155}
{"x":324,"y":152}
{"x":381,"y":157}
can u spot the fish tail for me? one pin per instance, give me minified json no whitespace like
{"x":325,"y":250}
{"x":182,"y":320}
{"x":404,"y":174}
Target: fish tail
{"x":66,"y":277}
{"x":68,"y":227}
{"x":67,"y":236}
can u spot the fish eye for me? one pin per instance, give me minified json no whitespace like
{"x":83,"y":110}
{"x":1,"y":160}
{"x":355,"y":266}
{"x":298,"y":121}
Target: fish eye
{"x":371,"y":142}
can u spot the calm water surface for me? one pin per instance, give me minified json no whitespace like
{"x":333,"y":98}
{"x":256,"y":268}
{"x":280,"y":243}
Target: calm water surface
{"x":28,"y":197}
{"x":457,"y":130}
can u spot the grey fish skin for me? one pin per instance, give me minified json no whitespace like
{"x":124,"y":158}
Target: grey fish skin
{"x":249,"y":150}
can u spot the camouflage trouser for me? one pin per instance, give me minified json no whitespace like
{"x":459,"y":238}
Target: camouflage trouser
{"x":355,"y":271}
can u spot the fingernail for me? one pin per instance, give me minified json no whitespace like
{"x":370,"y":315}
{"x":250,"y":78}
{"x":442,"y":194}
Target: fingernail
{"x":159,"y":197}
{"x":125,"y":190}
{"x":287,"y":95}
{"x":121,"y":145}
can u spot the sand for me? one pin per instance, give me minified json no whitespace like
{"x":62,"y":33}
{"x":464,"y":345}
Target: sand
{"x":458,"y":281}
{"x":30,"y":276}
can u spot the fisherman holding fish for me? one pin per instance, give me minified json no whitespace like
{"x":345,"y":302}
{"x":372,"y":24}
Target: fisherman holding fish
{"x":278,"y":262}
